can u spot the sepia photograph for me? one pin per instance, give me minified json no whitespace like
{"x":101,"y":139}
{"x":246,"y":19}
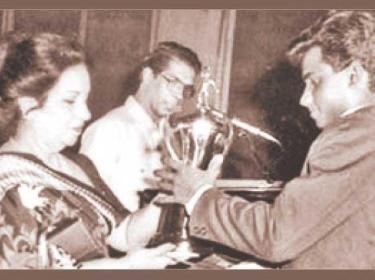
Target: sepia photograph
{"x":187,"y":139}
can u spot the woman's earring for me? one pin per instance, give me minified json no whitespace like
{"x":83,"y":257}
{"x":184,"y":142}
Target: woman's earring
{"x":27,"y":105}
{"x":26,"y":115}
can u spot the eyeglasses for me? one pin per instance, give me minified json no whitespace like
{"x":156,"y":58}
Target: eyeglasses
{"x":176,"y":86}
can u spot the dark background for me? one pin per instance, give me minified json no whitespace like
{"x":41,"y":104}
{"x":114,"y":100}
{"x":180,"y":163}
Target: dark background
{"x":265,"y":91}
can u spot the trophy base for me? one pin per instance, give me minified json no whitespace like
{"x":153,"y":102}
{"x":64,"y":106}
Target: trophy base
{"x":184,"y":251}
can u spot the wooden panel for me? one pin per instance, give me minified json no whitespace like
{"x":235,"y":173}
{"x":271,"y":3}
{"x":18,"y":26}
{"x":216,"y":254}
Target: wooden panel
{"x":224,"y":61}
{"x":116,"y":41}
{"x":197,"y":29}
{"x":65,"y":22}
{"x":7,"y":20}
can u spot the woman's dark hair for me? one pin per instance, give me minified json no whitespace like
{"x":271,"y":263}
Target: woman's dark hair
{"x":30,"y":65}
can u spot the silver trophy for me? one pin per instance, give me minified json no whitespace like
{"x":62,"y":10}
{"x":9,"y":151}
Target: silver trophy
{"x":195,"y":140}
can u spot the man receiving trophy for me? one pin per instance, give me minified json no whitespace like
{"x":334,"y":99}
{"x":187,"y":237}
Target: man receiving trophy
{"x":322,"y":219}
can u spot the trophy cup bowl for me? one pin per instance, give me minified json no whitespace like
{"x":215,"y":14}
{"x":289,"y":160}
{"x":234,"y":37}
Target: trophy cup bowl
{"x":194,"y":140}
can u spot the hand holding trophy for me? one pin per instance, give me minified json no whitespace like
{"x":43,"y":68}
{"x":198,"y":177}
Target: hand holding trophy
{"x":191,"y":143}
{"x":196,"y":146}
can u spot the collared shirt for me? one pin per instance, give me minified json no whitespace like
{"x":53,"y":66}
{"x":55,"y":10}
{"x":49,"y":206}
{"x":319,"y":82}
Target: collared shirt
{"x":353,"y":110}
{"x":123,"y":146}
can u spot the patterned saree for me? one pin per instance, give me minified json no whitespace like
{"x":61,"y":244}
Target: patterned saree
{"x":48,"y":219}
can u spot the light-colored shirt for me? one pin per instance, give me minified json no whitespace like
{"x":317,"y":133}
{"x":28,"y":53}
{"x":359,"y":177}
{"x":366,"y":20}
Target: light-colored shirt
{"x":123,"y":146}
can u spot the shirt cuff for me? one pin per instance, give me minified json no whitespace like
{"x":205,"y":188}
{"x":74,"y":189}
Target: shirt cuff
{"x":119,"y":236}
{"x":194,"y":199}
{"x":124,"y":228}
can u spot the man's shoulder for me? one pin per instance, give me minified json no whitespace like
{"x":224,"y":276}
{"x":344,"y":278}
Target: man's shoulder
{"x":363,"y":119}
{"x":117,"y":114}
{"x":117,"y":117}
{"x":358,"y":126}
{"x":109,"y":130}
{"x":345,"y":142}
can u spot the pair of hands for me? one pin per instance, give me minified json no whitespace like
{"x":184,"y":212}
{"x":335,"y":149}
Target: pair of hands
{"x":141,"y":227}
{"x":175,"y":178}
{"x":184,"y":181}
{"x":155,"y":258}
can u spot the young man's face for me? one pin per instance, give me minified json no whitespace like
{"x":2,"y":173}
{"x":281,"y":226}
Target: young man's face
{"x":326,"y":91}
{"x":166,"y":89}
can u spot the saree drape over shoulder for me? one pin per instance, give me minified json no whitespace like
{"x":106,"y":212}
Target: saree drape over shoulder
{"x":48,"y":219}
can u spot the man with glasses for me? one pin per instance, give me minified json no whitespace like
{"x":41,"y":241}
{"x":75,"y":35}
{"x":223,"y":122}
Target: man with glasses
{"x":124,"y":143}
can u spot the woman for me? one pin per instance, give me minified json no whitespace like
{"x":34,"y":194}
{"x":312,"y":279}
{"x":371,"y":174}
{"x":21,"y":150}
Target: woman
{"x":51,"y":214}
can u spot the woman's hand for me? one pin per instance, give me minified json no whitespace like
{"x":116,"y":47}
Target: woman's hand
{"x":136,"y":230}
{"x":142,"y":226}
{"x":154,"y":258}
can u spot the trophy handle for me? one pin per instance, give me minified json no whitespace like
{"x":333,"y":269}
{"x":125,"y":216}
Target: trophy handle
{"x":185,"y":140}
{"x":166,"y":128}
{"x":225,"y":140}
{"x":168,"y":132}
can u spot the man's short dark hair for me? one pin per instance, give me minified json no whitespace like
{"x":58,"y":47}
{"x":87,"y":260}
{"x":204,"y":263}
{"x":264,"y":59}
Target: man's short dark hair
{"x":165,"y":52}
{"x":158,"y":60}
{"x":343,"y":36}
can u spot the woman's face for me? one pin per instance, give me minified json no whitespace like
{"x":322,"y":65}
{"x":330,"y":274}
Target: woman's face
{"x":64,"y":113}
